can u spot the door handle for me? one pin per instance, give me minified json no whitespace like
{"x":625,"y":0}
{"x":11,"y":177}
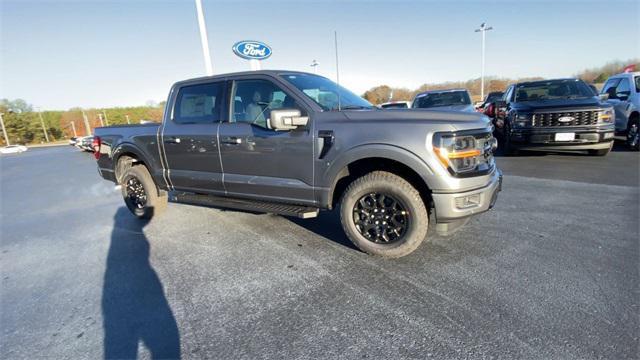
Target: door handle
{"x":232,"y":140}
{"x":172,"y":140}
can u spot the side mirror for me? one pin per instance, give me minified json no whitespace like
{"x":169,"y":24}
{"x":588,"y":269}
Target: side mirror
{"x":604,"y":96}
{"x":287,"y":119}
{"x":622,"y":96}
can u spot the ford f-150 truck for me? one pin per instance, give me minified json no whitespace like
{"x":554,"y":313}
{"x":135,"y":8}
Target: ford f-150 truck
{"x":295,"y":143}
{"x":623,"y":93}
{"x":557,"y":115}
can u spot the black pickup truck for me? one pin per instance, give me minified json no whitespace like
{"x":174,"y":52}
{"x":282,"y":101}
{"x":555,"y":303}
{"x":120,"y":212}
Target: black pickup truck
{"x":294,"y":143}
{"x":555,"y":115}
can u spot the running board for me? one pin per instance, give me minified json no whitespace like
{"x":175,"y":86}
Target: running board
{"x":299,"y":211}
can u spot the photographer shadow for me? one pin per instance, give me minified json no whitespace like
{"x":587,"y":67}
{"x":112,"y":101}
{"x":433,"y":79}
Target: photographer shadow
{"x":134,"y":306}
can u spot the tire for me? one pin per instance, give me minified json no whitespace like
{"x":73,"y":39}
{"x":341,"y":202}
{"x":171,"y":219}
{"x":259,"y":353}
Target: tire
{"x":509,"y":149}
{"x":633,"y":135}
{"x":409,"y":215}
{"x":137,"y":181}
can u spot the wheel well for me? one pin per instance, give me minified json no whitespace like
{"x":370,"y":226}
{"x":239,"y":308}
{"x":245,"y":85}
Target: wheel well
{"x":634,"y":116}
{"x":125,"y":162}
{"x":364,"y":166}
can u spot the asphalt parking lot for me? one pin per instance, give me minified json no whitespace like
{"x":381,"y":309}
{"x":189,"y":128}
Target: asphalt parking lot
{"x":551,"y":272}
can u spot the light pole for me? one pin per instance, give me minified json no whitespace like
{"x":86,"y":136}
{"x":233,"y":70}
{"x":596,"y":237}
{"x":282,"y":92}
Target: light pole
{"x":44,"y":130}
{"x":73,"y":127}
{"x":86,"y":123}
{"x":106,"y":119}
{"x":4,"y":131}
{"x":100,"y":117}
{"x":314,"y":65}
{"x":128,"y":121}
{"x":203,"y":38}
{"x":483,"y":29}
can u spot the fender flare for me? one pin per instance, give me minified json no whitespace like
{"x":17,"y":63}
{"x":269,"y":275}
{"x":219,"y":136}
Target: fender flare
{"x":337,"y":168}
{"x":127,"y":148}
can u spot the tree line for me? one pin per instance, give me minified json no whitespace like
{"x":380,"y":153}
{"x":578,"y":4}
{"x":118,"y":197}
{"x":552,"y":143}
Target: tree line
{"x":24,"y":125}
{"x":384,"y":93}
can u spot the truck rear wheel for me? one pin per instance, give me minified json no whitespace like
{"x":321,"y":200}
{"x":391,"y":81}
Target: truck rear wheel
{"x":633,"y":134}
{"x":383,"y":214}
{"x":141,"y":194}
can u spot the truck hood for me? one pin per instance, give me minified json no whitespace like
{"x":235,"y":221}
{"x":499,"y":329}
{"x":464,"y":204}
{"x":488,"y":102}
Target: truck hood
{"x":531,"y":106}
{"x":457,"y":119}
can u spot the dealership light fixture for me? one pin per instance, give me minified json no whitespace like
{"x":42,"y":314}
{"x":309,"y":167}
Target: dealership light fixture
{"x":483,"y":29}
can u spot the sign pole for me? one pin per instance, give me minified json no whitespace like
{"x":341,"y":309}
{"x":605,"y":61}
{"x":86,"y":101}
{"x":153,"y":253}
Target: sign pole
{"x":203,"y":38}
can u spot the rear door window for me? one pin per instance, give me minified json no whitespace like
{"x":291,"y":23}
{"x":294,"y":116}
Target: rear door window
{"x":199,"y":104}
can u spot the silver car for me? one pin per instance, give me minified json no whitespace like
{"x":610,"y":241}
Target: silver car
{"x":623,"y":91}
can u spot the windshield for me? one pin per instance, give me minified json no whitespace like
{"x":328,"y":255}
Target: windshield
{"x":494,"y":96}
{"x":394,"y":106}
{"x":552,"y":89}
{"x":449,"y":98}
{"x":325,"y":92}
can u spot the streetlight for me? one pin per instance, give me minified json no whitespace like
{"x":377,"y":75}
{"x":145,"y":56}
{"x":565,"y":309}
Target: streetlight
{"x":483,"y":29}
{"x":314,"y":65}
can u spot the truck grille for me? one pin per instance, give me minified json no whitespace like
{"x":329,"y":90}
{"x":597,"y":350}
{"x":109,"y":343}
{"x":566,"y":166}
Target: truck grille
{"x":580,"y":118}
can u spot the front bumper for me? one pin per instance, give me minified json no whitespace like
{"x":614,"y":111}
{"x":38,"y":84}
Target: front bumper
{"x":452,"y":207}
{"x":586,"y":138}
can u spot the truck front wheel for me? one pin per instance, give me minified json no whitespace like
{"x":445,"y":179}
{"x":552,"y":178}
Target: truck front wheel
{"x":383,"y":214}
{"x":141,"y":194}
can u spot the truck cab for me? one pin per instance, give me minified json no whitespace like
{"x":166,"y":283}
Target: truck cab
{"x":623,"y":93}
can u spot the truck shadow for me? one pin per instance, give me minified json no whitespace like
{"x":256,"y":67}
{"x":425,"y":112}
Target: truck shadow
{"x":327,"y":225}
{"x":134,"y":306}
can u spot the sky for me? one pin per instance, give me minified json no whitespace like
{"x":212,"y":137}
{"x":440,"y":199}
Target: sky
{"x":63,"y":54}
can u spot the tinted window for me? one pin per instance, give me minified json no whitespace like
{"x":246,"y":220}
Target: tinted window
{"x":507,"y":95}
{"x":199,"y":104}
{"x":394,"y":106}
{"x":610,"y":87}
{"x":623,"y":87}
{"x":254,"y":100}
{"x":494,"y":96}
{"x":637,"y":80}
{"x":448,"y":98}
{"x":552,"y":89}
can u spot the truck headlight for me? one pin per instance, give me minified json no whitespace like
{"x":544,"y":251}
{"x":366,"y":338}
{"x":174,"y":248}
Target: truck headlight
{"x":521,"y":120}
{"x":606,"y":115}
{"x":463,"y":154}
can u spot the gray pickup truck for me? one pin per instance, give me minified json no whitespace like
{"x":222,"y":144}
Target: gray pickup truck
{"x":294,"y":143}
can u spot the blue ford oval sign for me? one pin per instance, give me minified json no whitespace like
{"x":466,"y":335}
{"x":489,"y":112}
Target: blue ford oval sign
{"x":252,"y":50}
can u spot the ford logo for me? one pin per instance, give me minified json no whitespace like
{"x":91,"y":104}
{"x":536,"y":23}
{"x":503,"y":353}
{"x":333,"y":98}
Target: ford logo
{"x":566,"y":119}
{"x":252,"y":50}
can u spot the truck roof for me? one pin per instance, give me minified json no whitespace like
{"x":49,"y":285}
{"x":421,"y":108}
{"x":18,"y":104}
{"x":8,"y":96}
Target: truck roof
{"x":546,"y":80}
{"x":439,"y":91}
{"x":626,"y":74}
{"x":250,"y":72}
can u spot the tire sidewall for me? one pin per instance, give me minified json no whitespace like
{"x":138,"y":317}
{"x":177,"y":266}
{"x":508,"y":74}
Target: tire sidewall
{"x":415,"y":207}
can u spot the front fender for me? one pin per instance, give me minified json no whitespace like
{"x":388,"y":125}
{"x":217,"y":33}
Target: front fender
{"x":333,"y":171}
